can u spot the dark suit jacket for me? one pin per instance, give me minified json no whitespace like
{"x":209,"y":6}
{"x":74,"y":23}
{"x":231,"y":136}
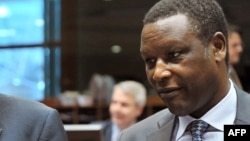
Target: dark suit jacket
{"x":234,"y":77}
{"x":159,"y":126}
{"x":107,"y":130}
{"x":27,"y":120}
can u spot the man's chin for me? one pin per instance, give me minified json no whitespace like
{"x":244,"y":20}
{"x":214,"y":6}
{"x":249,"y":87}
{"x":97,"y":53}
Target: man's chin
{"x":118,"y":121}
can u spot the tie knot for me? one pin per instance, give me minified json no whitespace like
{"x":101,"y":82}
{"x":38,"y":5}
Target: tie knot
{"x":197,"y":129}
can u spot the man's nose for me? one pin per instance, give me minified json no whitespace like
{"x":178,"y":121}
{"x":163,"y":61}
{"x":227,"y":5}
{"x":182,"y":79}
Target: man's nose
{"x":162,"y":70}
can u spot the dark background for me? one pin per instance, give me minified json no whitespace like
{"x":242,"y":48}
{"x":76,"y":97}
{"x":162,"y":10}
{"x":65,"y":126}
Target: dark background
{"x":91,"y":27}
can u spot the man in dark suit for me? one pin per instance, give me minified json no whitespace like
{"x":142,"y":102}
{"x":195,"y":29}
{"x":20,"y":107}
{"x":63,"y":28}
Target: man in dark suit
{"x":127,"y":104}
{"x":26,"y":120}
{"x":235,"y":49}
{"x":184,"y":47}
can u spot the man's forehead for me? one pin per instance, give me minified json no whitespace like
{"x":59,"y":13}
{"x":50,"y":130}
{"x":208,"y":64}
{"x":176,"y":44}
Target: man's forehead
{"x":175,"y":26}
{"x":178,"y":21}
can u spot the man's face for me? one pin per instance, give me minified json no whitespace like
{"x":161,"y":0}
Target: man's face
{"x":179,"y":67}
{"x":123,"y":109}
{"x":235,"y":47}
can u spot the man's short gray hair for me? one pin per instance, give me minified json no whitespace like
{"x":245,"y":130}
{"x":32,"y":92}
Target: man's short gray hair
{"x":134,"y":88}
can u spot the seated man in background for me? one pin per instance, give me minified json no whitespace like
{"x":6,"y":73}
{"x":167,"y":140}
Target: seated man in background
{"x":27,"y":120}
{"x":235,"y":49}
{"x":127,"y":104}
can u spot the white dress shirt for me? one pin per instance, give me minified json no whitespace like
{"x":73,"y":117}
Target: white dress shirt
{"x":221,"y":114}
{"x":115,"y":132}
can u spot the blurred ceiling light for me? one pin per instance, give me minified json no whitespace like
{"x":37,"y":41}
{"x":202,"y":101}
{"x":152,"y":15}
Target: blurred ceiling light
{"x":116,"y":49}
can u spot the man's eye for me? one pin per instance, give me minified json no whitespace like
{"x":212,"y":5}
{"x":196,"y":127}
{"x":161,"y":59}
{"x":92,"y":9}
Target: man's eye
{"x":150,"y":62}
{"x":174,"y":54}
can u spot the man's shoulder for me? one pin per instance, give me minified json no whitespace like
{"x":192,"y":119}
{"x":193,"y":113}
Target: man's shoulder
{"x":243,"y":111}
{"x":243,"y":97}
{"x":107,"y":125}
{"x":242,"y":94}
{"x":32,"y":117}
{"x":27,"y":112}
{"x":239,"y":90}
{"x":18,"y":103}
{"x":156,"y":117}
{"x":149,"y":124}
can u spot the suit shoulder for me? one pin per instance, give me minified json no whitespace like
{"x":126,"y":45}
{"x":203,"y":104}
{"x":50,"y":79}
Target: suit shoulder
{"x":147,"y":125}
{"x":18,"y":103}
{"x":106,"y":125}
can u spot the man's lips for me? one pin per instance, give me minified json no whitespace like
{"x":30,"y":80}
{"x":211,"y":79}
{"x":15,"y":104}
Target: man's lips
{"x":168,"y":91}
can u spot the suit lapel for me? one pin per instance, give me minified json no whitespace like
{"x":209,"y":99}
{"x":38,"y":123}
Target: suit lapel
{"x":164,"y":133}
{"x":107,"y":131}
{"x":1,"y":130}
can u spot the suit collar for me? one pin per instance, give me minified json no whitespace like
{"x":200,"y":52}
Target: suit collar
{"x":165,"y":128}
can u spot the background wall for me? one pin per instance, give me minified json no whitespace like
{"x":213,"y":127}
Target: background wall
{"x":91,"y":27}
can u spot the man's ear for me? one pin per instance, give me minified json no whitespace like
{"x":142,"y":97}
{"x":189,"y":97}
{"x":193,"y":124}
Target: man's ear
{"x":219,"y":45}
{"x":140,"y":109}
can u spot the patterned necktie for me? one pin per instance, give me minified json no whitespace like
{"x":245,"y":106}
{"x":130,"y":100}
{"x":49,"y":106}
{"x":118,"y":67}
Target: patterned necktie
{"x":197,"y":129}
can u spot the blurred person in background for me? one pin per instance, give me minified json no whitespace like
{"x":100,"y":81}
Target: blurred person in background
{"x":127,"y":104}
{"x":235,"y":46}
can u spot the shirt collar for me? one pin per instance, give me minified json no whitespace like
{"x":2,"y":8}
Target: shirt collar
{"x":215,"y":117}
